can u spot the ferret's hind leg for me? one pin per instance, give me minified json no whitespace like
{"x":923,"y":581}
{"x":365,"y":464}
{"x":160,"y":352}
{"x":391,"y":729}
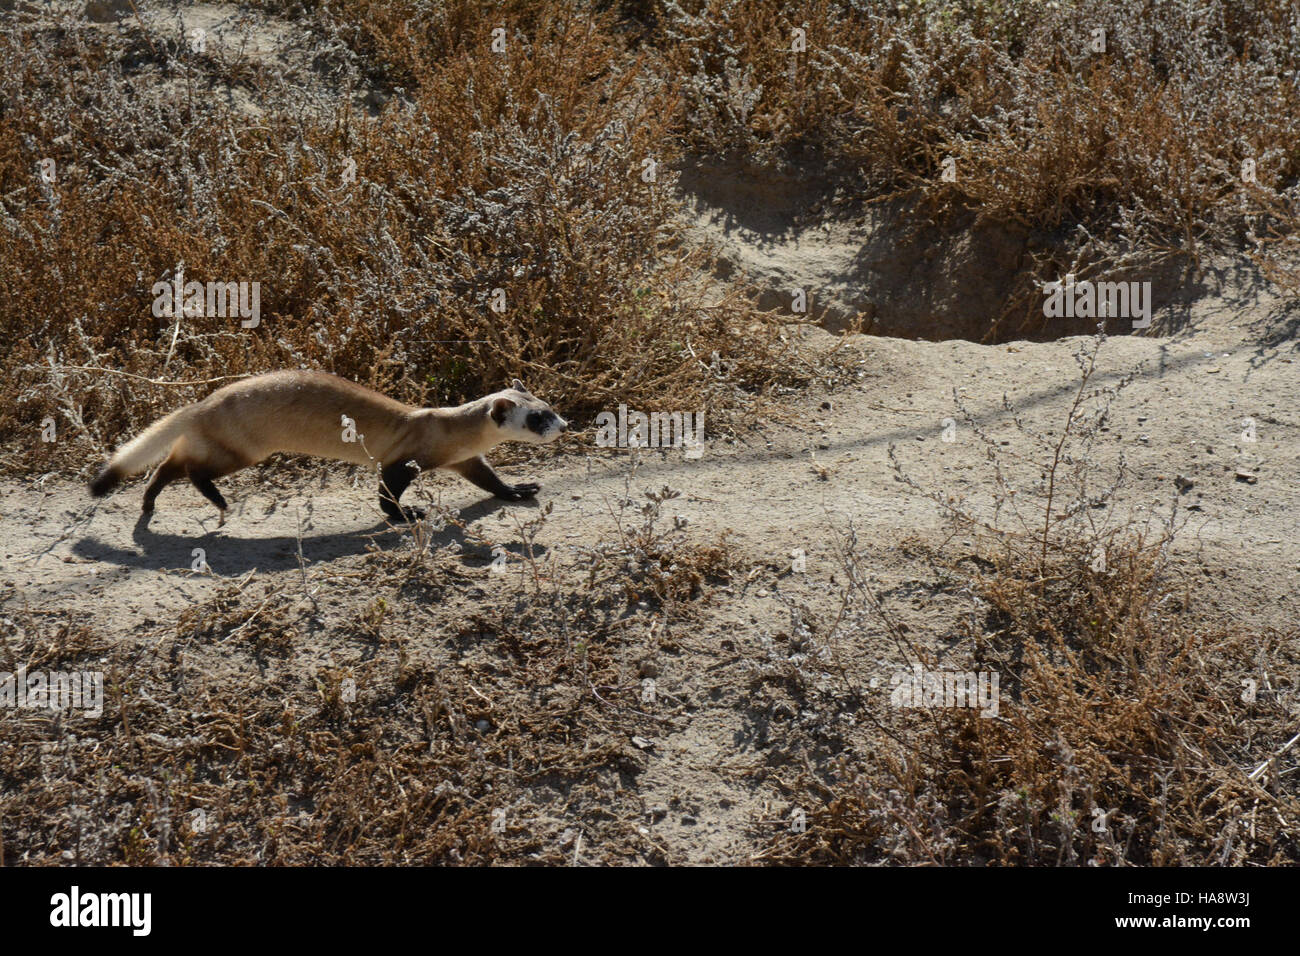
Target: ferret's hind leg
{"x":218,"y":463}
{"x":202,"y":479}
{"x":171,"y":469}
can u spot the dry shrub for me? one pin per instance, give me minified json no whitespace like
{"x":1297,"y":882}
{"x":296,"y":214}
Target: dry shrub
{"x":217,"y":747}
{"x":1105,"y":161}
{"x":1128,"y":731}
{"x":650,"y":557}
{"x":1122,"y":738}
{"x":520,"y":172}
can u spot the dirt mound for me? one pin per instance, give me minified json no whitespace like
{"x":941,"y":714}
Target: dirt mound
{"x":892,"y":269}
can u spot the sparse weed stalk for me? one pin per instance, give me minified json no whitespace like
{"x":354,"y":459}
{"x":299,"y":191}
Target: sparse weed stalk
{"x":528,"y":531}
{"x":652,"y":557}
{"x":1068,"y":507}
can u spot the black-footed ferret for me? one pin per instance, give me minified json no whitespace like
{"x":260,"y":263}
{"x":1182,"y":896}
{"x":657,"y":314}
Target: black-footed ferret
{"x":315,"y":413}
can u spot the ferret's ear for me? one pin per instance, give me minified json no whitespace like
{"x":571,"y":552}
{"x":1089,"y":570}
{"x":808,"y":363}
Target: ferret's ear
{"x":518,"y":386}
{"x":500,"y":409}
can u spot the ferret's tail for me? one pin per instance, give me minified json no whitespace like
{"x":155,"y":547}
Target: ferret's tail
{"x":146,"y":449}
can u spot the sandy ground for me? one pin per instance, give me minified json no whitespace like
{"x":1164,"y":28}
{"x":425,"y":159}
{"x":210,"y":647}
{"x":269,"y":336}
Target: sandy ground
{"x":793,"y":482}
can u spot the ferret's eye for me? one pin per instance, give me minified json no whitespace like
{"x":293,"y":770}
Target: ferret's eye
{"x":536,"y":422}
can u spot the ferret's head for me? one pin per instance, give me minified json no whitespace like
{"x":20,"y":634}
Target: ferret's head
{"x":522,"y":416}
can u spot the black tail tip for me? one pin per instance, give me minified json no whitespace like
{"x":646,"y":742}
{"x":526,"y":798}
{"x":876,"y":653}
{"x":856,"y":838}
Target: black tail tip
{"x":104,"y":482}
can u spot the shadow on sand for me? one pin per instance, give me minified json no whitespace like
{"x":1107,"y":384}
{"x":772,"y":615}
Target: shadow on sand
{"x":229,"y":551}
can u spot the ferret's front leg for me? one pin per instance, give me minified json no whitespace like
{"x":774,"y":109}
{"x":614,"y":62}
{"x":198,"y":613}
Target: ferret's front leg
{"x":479,"y":472}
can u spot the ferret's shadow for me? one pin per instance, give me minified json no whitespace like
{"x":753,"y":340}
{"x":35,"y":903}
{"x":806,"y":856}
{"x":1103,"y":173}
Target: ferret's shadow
{"x":227,"y":554}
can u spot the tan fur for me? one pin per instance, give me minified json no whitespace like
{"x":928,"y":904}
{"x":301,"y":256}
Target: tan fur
{"x":302,"y":412}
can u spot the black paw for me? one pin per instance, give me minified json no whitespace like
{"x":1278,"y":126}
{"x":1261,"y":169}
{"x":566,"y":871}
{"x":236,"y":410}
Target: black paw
{"x":526,"y":490}
{"x":405,"y":514}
